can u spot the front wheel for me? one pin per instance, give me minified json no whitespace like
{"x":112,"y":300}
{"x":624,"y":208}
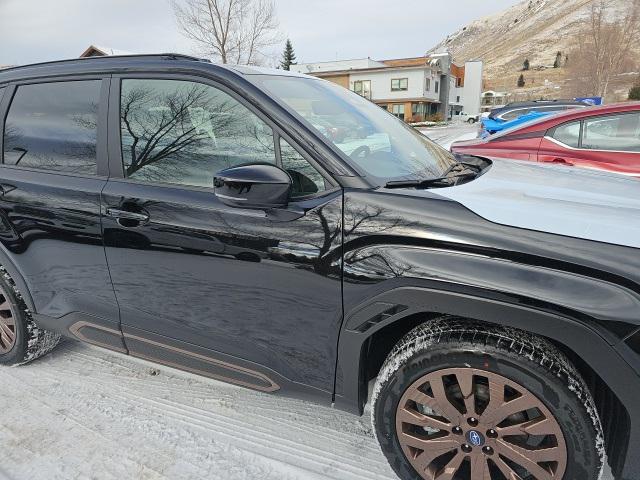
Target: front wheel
{"x":461,"y":401}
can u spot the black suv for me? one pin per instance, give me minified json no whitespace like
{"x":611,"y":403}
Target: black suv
{"x":279,"y":232}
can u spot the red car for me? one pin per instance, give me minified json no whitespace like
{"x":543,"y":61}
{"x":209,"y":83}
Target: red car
{"x":602,"y":138}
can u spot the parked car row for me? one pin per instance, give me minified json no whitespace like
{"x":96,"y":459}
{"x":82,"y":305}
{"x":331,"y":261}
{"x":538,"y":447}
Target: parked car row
{"x":601,"y":138}
{"x":518,"y":113}
{"x":281,"y":233}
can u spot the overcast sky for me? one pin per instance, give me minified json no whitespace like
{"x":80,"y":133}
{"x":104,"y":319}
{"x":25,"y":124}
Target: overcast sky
{"x":41,"y":30}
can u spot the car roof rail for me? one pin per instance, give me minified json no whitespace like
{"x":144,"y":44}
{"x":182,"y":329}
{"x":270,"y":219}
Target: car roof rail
{"x":527,"y":103}
{"x":167,"y":56}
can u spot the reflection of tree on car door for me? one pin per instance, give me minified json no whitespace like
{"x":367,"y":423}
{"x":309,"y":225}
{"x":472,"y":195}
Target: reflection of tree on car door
{"x":172,"y":128}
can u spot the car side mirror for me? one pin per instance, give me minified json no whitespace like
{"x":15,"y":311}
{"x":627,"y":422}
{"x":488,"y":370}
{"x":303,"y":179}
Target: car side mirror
{"x":258,"y":185}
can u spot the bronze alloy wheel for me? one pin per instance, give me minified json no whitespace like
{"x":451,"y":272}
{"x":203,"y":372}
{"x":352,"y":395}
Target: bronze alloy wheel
{"x":7,"y":324}
{"x":470,"y":424}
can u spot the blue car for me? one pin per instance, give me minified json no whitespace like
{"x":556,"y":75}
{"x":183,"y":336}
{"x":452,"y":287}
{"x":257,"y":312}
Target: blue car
{"x":491,"y":126}
{"x":516,"y":113}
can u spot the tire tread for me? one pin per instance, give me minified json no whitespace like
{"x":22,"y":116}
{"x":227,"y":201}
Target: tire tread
{"x":541,"y":354}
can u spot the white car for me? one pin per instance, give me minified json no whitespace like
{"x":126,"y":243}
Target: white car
{"x":466,"y":117}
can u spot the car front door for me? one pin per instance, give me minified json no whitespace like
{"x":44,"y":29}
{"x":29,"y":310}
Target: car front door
{"x":248,"y":296}
{"x":612,"y":142}
{"x":604,"y":142}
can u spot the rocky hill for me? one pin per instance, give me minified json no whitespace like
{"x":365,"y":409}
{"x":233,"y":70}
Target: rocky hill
{"x":534,"y":30}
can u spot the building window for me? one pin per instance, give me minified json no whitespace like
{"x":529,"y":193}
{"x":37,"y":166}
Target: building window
{"x":363,"y":88}
{"x":428,"y":86}
{"x":419,"y":108}
{"x":458,"y":99}
{"x":399,"y":84}
{"x":398,"y":110}
{"x":437,"y":86}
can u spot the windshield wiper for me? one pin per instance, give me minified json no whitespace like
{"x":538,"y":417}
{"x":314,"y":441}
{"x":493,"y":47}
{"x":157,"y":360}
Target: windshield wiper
{"x":446,"y":178}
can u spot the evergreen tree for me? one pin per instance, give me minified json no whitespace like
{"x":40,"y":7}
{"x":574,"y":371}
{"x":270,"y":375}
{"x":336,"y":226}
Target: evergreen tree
{"x":634,"y":93}
{"x":558,"y":62}
{"x":526,"y":65}
{"x":521,"y":82}
{"x":288,"y":56}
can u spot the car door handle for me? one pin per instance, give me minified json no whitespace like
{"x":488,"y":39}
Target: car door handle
{"x":126,"y":215}
{"x":558,"y":161}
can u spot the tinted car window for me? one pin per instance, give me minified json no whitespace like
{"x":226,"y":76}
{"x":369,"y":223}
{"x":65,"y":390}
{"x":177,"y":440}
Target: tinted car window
{"x":306,"y":179}
{"x":53,"y":126}
{"x":569,"y":134}
{"x":513,"y":114}
{"x":614,"y":132}
{"x":184,"y":132}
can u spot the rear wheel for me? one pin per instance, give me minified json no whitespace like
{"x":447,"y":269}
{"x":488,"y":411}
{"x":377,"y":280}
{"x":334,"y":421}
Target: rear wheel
{"x":21,"y":340}
{"x":458,"y":401}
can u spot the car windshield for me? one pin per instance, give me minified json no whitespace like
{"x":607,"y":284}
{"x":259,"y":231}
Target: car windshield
{"x":377,"y":142}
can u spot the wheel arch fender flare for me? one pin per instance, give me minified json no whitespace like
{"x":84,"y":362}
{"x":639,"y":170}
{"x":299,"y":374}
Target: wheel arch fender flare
{"x":9,"y":266}
{"x":395,"y":306}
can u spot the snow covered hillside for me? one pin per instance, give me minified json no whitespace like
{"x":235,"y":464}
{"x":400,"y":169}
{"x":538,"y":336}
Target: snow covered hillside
{"x":532,"y":29}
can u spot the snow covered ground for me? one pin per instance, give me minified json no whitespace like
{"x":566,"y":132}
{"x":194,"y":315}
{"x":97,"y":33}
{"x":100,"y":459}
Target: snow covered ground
{"x":445,"y":136}
{"x":86,"y":413}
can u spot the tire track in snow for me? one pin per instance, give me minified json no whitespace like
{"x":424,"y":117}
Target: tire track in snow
{"x":230,"y":453}
{"x":183,"y":420}
{"x":35,"y":434}
{"x":196,"y":416}
{"x":215,"y":392}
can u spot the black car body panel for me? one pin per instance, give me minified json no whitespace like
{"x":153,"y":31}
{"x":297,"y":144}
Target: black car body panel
{"x":416,"y":253}
{"x":290,"y":300}
{"x":243,"y":275}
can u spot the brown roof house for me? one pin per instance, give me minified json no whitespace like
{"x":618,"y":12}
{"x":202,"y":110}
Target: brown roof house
{"x":98,"y":51}
{"x":413,"y":89}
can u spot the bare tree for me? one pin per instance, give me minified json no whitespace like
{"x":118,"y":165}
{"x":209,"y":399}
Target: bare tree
{"x":231,"y":31}
{"x":605,"y":47}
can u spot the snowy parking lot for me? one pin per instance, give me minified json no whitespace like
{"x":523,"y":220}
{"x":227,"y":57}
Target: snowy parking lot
{"x":86,"y":413}
{"x":448,"y":134}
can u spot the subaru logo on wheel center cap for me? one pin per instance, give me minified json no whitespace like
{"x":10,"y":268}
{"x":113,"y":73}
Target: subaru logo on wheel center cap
{"x":475,"y":438}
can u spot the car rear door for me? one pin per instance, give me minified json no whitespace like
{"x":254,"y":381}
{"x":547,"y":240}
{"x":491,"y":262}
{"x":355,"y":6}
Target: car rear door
{"x":248,"y":296}
{"x":54,"y":167}
{"x":561,"y":145}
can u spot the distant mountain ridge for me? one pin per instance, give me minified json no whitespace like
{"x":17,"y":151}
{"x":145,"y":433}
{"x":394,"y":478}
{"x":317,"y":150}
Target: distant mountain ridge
{"x":532,"y":29}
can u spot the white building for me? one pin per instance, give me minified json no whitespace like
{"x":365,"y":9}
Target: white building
{"x":411,"y":88}
{"x":492,"y":99}
{"x":356,"y":64}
